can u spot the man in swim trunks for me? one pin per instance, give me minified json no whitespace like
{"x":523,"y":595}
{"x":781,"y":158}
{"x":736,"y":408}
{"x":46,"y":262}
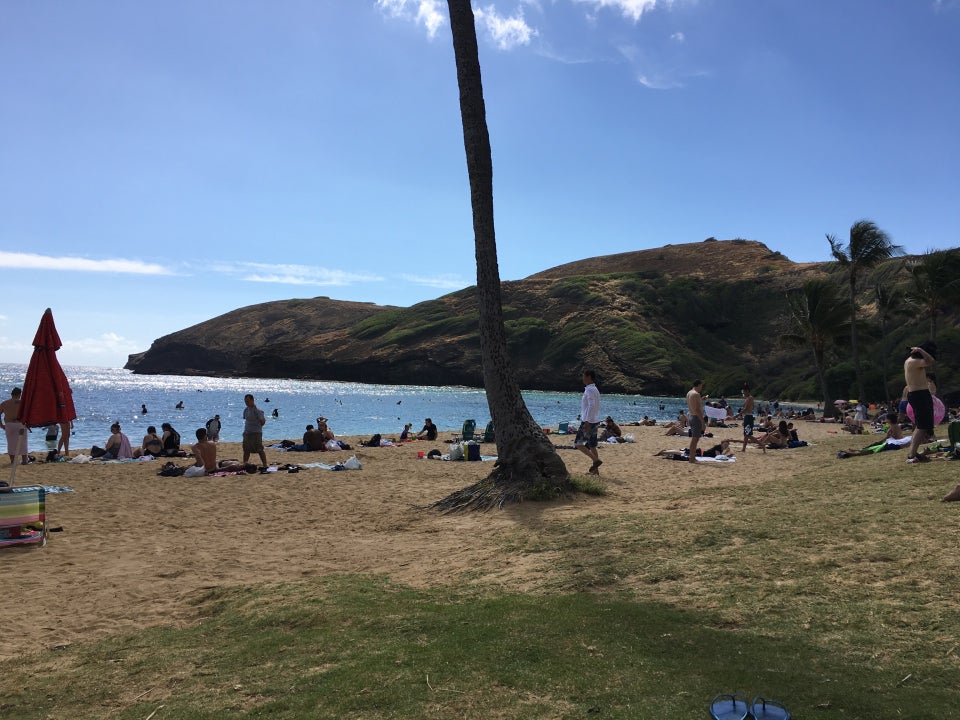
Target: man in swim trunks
{"x":915,"y":369}
{"x":253,"y":422}
{"x":16,"y":432}
{"x":695,"y":418}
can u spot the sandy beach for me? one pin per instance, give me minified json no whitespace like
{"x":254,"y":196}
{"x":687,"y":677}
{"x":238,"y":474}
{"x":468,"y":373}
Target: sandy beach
{"x":135,"y":549}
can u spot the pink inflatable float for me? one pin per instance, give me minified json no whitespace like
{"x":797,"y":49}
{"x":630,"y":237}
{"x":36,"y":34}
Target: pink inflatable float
{"x":938,"y":411}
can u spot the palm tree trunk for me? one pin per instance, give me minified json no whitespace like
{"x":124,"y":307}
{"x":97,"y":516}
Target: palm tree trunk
{"x":855,"y":352}
{"x":528,"y":464}
{"x":829,"y":409}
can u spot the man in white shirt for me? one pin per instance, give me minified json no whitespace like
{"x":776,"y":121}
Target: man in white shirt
{"x":586,"y":440}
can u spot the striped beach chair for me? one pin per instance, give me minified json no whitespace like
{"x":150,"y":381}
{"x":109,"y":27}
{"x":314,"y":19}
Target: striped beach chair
{"x":23,"y":517}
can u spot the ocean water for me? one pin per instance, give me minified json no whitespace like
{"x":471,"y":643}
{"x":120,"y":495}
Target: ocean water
{"x":105,"y":395}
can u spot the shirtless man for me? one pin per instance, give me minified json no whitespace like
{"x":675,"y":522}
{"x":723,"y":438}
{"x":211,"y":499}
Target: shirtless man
{"x":695,"y":418}
{"x":16,"y":432}
{"x":915,"y":369}
{"x":205,"y":452}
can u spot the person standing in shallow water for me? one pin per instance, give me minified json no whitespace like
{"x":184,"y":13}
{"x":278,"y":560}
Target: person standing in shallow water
{"x":253,"y":422}
{"x":586,"y":440}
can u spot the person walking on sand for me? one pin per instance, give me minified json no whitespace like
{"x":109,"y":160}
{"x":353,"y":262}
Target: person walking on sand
{"x":253,"y":422}
{"x":586,"y":440}
{"x":748,"y":418}
{"x":919,"y":398}
{"x":695,"y":418}
{"x":16,"y":432}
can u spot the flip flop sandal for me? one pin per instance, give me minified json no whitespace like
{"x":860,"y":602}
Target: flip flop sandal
{"x":766,"y":709}
{"x":729,"y":706}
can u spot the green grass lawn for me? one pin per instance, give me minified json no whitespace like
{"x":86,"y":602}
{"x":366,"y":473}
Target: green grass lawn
{"x":835,"y":592}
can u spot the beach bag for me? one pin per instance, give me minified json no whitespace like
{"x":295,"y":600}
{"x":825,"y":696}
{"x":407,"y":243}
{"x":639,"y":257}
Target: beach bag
{"x":473,"y":451}
{"x":953,"y":432}
{"x":352,"y":463}
{"x":194,"y":471}
{"x":170,"y":470}
{"x":332,"y":445}
{"x":456,"y":452}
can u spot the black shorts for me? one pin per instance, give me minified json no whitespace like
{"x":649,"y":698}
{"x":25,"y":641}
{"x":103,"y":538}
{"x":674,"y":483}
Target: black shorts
{"x":922,"y":403}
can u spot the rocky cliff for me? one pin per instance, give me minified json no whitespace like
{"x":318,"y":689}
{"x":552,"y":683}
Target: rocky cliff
{"x":647,"y":321}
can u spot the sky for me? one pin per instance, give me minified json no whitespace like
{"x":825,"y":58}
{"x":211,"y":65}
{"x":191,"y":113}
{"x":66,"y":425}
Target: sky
{"x":163,"y":163}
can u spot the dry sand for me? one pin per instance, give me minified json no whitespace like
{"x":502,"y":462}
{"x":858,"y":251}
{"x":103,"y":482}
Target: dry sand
{"x":136,"y":548}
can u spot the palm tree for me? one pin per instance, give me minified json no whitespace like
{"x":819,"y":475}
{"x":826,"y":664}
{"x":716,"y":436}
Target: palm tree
{"x":528,"y":463}
{"x":868,"y":246}
{"x":889,"y":301}
{"x":818,"y":319}
{"x":935,"y":283}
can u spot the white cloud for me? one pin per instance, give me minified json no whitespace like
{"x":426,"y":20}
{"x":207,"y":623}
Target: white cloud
{"x":3,"y":318}
{"x":440,"y":282}
{"x":658,"y":83}
{"x":425,"y":12}
{"x":506,"y":32}
{"x":293,"y":274}
{"x":678,"y":37}
{"x":633,"y":9}
{"x":106,"y":344}
{"x":30,"y":261}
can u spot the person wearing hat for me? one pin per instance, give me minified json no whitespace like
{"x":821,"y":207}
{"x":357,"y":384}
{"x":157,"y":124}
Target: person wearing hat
{"x":915,"y":368}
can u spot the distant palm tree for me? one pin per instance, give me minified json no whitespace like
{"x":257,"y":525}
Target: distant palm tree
{"x":818,"y":319}
{"x":527,"y":461}
{"x":935,"y":283}
{"x":868,"y":246}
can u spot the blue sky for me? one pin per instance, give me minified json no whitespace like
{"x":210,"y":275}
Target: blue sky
{"x":162,"y":163}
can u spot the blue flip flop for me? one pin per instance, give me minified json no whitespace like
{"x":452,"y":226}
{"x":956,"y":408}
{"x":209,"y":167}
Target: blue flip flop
{"x":767,"y":709}
{"x":729,"y":706}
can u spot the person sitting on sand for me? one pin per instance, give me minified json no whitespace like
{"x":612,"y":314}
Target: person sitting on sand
{"x":648,"y":422}
{"x":429,"y":429}
{"x":313,"y":441}
{"x":171,"y":441}
{"x":678,"y":426}
{"x":610,"y":430}
{"x":151,"y":445}
{"x":894,"y":432}
{"x":205,"y":452}
{"x":775,"y":439}
{"x":405,"y":435}
{"x":117,"y":447}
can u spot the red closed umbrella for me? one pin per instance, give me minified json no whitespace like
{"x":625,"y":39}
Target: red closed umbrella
{"x":46,"y":398}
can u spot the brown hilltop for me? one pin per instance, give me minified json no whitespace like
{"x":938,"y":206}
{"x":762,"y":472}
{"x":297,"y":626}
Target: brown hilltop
{"x":735,"y":259}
